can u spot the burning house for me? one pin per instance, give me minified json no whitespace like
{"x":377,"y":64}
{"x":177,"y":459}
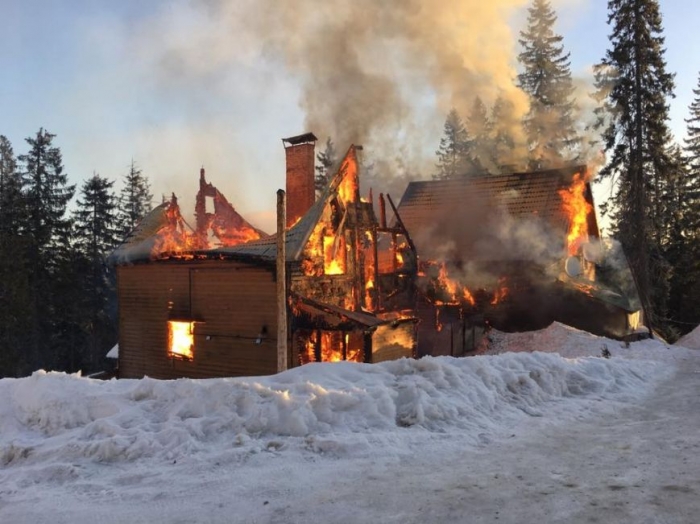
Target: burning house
{"x":224,"y":299}
{"x":513,"y":251}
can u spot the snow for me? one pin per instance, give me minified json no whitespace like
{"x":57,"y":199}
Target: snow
{"x":691,"y":340}
{"x":114,"y":352}
{"x":429,"y":440}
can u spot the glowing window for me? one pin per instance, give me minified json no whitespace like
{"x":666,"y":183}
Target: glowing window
{"x":334,"y":255}
{"x":181,"y":339}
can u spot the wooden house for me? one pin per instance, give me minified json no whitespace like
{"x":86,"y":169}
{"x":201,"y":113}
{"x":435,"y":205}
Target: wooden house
{"x":334,"y":283}
{"x":514,"y":251}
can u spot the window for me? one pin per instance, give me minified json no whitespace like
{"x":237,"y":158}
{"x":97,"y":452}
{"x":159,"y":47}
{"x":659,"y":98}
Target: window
{"x":181,"y":339}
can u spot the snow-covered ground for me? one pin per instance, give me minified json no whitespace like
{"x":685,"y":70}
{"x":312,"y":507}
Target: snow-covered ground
{"x":541,"y":429}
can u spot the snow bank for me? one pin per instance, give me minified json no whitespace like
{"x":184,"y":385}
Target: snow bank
{"x":690,"y":340}
{"x":52,"y":415}
{"x":572,"y":343}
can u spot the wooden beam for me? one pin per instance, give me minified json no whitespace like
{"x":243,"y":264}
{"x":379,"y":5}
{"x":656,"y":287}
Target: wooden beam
{"x":282,"y":350}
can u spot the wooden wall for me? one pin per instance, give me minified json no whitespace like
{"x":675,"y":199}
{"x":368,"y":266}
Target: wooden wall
{"x":233,"y":301}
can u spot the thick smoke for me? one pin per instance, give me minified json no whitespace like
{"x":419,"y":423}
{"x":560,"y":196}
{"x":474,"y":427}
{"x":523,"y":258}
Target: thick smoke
{"x":378,"y":73}
{"x":382,"y":74}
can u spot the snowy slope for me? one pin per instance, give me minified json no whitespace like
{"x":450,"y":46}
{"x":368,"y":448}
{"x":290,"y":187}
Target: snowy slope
{"x":69,"y":444}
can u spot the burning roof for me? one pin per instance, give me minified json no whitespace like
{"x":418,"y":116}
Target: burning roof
{"x":471,"y":216}
{"x":298,"y":235}
{"x":164,"y":233}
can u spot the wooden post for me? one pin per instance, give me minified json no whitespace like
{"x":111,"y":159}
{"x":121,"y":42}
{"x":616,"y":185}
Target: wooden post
{"x":318,"y":355}
{"x":367,"y":347}
{"x":282,"y":352}
{"x":375,"y":253}
{"x":382,"y":211}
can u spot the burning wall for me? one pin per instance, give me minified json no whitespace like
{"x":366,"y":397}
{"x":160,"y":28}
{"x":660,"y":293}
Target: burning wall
{"x":510,"y":248}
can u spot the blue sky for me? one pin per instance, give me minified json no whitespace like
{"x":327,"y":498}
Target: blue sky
{"x":167,"y":84}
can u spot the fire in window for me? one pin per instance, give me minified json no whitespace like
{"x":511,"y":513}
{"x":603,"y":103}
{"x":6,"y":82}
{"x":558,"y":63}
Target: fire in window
{"x":334,"y":252}
{"x":181,"y":339}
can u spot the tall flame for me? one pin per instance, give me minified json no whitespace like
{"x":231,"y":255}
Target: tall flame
{"x":577,"y":208}
{"x":349,"y":186}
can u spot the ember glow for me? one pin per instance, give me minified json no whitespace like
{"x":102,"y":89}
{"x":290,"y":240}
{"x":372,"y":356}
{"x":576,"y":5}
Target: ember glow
{"x":181,"y":339}
{"x":577,"y":209}
{"x":369,"y":300}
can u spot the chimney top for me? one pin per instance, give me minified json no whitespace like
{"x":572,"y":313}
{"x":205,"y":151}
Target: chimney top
{"x":299,"y":139}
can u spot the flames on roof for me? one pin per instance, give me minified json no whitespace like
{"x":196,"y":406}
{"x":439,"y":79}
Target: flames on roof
{"x":164,"y":233}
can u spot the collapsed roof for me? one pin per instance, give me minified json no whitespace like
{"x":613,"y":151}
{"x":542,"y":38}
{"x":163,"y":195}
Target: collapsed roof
{"x":163,"y":232}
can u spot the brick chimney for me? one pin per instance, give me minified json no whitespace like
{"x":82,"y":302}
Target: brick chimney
{"x":301,"y":191}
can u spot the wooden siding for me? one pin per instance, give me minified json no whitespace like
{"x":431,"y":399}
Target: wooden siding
{"x":231,"y":301}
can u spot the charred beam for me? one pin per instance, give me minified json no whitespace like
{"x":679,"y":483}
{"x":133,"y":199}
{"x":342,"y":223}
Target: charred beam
{"x":401,"y":224}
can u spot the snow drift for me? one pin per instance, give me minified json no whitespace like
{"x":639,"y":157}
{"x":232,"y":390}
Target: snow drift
{"x":52,"y":415}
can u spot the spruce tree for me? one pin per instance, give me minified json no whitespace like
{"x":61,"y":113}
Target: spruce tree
{"x":326,"y":161}
{"x":96,"y":234}
{"x":453,"y":153}
{"x":691,"y":153}
{"x":546,"y":78}
{"x":14,"y":289}
{"x":134,"y":201}
{"x":683,"y":250}
{"x":636,"y":85}
{"x":480,"y":147}
{"x":504,"y":142}
{"x":47,"y":194}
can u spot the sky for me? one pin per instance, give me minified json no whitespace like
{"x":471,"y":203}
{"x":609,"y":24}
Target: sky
{"x":177,"y":85}
{"x":541,"y":429}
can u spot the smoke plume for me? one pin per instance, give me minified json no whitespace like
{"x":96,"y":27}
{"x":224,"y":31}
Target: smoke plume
{"x":369,"y":72}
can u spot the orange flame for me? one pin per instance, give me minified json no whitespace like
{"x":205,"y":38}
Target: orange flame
{"x":332,"y":347}
{"x":349,"y":186}
{"x":577,"y":209}
{"x":501,"y":293}
{"x":333,"y":255}
{"x":456,"y":292}
{"x":468,"y":297}
{"x":181,"y":339}
{"x":174,"y":237}
{"x":369,"y":300}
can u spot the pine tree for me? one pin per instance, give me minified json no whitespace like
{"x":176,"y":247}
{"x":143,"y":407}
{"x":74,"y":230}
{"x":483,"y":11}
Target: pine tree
{"x":96,"y":219}
{"x":546,"y":78}
{"x":634,"y":78}
{"x":326,"y":160}
{"x":683,"y":247}
{"x":14,"y":289}
{"x":96,"y":234}
{"x":12,"y":202}
{"x":47,"y":194}
{"x":504,"y":142}
{"x":134,"y":201}
{"x":480,"y":147}
{"x":453,"y":154}
{"x":691,"y":151}
{"x":47,"y":191}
